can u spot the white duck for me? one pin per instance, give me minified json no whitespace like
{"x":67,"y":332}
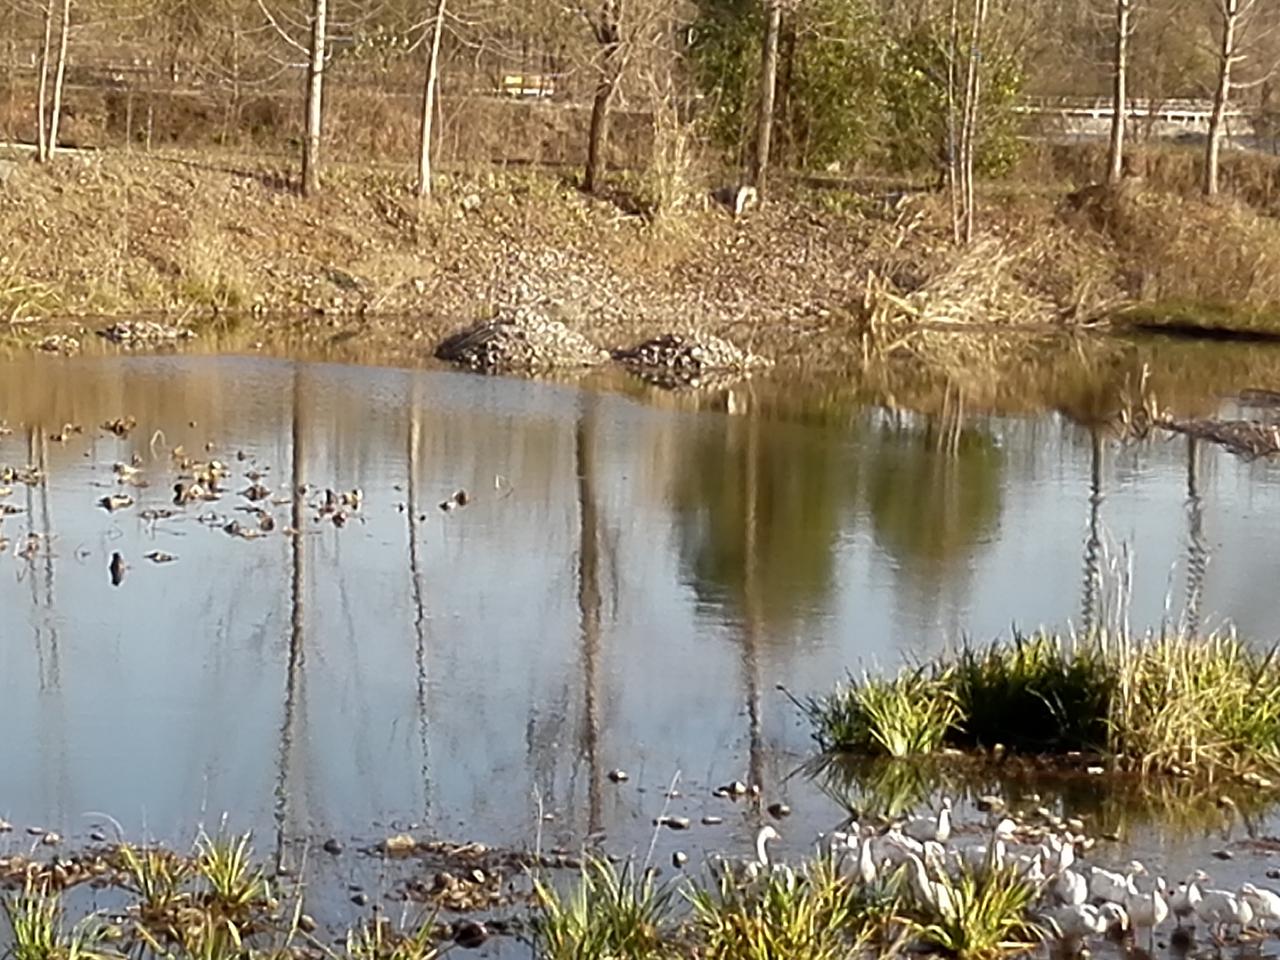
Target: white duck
{"x":936,"y":896}
{"x":1264,"y":903}
{"x":1147,"y":910}
{"x":937,"y":828}
{"x":1221,"y":909}
{"x":1071,"y":888}
{"x":1071,"y":924}
{"x":1111,"y":886}
{"x":1183,"y":900}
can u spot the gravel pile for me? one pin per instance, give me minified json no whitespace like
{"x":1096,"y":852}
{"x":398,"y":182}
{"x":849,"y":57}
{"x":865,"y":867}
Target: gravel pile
{"x":145,"y":333}
{"x":520,"y":340}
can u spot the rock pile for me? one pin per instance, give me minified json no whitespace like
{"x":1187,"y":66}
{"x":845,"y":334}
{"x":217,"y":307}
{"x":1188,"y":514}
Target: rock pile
{"x":520,"y":340}
{"x":688,"y":358}
{"x":145,"y":333}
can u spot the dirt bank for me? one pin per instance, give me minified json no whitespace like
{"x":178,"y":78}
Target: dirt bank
{"x":197,"y":237}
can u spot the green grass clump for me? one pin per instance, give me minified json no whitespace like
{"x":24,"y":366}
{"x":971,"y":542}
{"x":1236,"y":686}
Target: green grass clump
{"x":980,"y":916}
{"x":1196,"y":704}
{"x":611,"y":912}
{"x":900,"y":716}
{"x":813,"y":914}
{"x":226,"y":865}
{"x":1163,"y":702}
{"x":158,"y":877}
{"x":36,"y":924}
{"x":1033,"y":695}
{"x":376,"y":939}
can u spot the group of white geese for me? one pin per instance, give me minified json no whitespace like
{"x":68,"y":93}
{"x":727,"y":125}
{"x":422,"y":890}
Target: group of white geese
{"x":1074,"y":900}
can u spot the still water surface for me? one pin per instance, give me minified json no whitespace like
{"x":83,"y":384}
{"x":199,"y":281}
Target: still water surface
{"x":626,"y":587}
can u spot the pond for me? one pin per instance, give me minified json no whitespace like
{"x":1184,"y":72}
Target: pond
{"x":541,"y":584}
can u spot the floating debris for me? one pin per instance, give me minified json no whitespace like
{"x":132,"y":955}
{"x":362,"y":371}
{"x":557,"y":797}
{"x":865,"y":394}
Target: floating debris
{"x":459,"y":498}
{"x":128,"y":473}
{"x":672,"y":822}
{"x":619,"y":776}
{"x":117,"y":568}
{"x":779,"y":810}
{"x":120,"y":426}
{"x":115,"y":501}
{"x":333,"y":846}
{"x":159,"y":556}
{"x":520,"y":339}
{"x":61,"y":343}
{"x":68,"y":431}
{"x":9,"y":510}
{"x":400,"y":843}
{"x":679,"y":858}
{"x":132,"y":333}
{"x":1248,"y":439}
{"x":255,"y":492}
{"x":470,"y":934}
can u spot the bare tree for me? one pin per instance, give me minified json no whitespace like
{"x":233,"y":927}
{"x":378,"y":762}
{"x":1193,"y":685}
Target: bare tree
{"x":963,"y":115}
{"x":1119,"y":89}
{"x":607,"y":28}
{"x":429,"y":102}
{"x":1233,"y":18}
{"x":315,"y":98}
{"x":768,"y":93}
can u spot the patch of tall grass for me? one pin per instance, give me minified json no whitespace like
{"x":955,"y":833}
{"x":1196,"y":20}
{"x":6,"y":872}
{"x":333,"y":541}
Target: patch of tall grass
{"x":815,"y":913}
{"x":234,"y":882}
{"x":1164,"y":702}
{"x":977,"y":915}
{"x":377,"y":939}
{"x":902,"y":716}
{"x":37,"y":928}
{"x":611,"y":911}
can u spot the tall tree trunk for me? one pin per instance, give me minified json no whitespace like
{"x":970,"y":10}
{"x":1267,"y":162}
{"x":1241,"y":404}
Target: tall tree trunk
{"x":969,"y":125}
{"x":768,"y":90}
{"x":1230,"y":12}
{"x":59,"y":76}
{"x":315,"y":98}
{"x":952,"y":146}
{"x":429,"y":103}
{"x":1119,"y":92}
{"x":42,"y":92}
{"x":609,"y":36}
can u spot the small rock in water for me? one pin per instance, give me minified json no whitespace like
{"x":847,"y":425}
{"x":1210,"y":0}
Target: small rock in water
{"x":679,"y":859}
{"x":306,"y":923}
{"x":711,"y":821}
{"x":1223,"y":855}
{"x":5,"y":826}
{"x":51,"y":839}
{"x":1273,"y":874}
{"x":117,"y":569}
{"x":97,"y":836}
{"x":333,"y":845}
{"x":779,"y":810}
{"x":990,"y":804}
{"x":619,"y":776}
{"x":736,"y":789}
{"x":36,"y":831}
{"x":674,"y":823}
{"x":360,"y":899}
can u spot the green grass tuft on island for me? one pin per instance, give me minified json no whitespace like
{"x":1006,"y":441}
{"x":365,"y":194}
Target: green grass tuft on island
{"x":1208,"y":319}
{"x":1162,"y":703}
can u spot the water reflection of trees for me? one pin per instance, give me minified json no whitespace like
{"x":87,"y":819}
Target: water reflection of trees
{"x":772,"y":493}
{"x":933,"y":493}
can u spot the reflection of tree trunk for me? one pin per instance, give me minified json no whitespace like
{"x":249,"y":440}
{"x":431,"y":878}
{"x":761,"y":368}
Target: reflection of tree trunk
{"x":751,"y":602}
{"x":419,"y":608}
{"x":293,"y":677}
{"x":1197,"y":546}
{"x":1093,"y":544}
{"x":589,"y":613}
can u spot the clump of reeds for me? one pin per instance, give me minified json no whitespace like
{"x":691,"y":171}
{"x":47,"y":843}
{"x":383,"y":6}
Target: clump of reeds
{"x":1167,"y":702}
{"x":377,"y":939}
{"x":233,"y":881}
{"x":1059,"y":696}
{"x":901,"y":716}
{"x":977,"y":915}
{"x":38,"y":930}
{"x":611,"y":911}
{"x":815,"y":913}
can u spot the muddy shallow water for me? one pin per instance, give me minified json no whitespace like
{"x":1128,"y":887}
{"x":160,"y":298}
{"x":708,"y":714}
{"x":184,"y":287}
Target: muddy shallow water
{"x":625,"y":587}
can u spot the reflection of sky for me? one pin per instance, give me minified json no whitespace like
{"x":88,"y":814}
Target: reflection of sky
{"x":162,"y":702}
